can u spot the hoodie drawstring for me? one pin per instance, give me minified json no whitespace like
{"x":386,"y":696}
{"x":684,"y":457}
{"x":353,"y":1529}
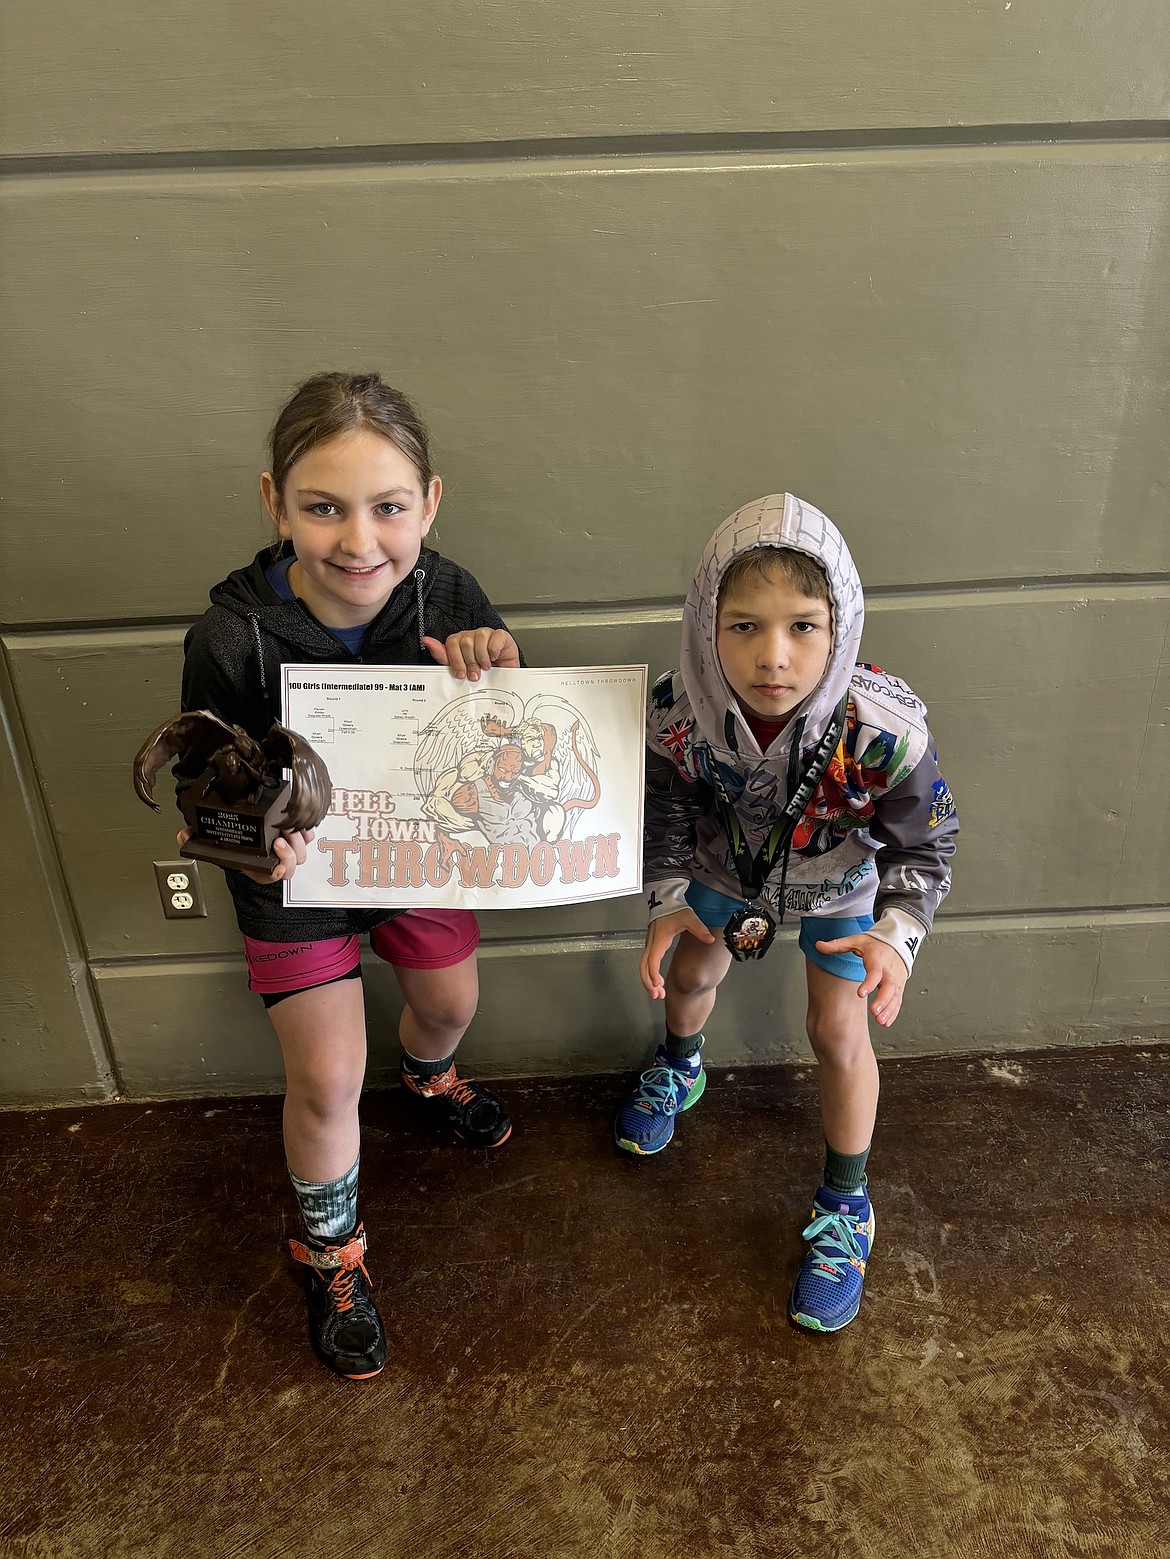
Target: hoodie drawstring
{"x":254,"y":619}
{"x":419,"y":575}
{"x":784,"y":875}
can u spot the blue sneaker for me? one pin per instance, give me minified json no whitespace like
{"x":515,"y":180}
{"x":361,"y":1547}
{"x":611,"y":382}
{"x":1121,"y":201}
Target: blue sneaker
{"x":827,"y":1293}
{"x":645,"y":1122}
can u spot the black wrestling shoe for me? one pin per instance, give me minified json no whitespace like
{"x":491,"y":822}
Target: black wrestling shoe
{"x":344,"y":1325}
{"x":461,"y":1105}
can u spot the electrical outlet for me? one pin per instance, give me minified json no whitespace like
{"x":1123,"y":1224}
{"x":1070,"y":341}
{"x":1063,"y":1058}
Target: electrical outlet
{"x":180,"y":889}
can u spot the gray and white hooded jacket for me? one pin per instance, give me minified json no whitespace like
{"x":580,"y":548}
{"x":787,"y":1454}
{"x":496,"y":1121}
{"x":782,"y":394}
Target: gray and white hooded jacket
{"x":877,"y":836}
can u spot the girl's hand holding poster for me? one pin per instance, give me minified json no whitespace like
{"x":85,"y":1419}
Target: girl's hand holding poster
{"x":522,"y":789}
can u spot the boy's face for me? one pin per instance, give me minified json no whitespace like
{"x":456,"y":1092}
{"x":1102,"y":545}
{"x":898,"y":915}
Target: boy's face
{"x":773,"y":643}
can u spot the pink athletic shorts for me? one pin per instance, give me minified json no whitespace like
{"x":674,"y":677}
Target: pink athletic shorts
{"x":416,"y":939}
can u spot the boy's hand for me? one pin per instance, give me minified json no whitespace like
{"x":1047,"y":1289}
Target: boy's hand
{"x":885,"y":973}
{"x":660,"y":934}
{"x":289,"y":848}
{"x":466,"y":654}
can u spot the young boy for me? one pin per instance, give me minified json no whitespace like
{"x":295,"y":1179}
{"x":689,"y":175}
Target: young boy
{"x":782,"y":775}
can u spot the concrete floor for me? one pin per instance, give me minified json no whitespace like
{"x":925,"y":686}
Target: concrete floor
{"x":589,"y":1354}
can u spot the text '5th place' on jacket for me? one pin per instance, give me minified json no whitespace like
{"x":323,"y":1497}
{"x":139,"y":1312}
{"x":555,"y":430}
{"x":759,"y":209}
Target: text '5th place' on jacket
{"x":878,"y":834}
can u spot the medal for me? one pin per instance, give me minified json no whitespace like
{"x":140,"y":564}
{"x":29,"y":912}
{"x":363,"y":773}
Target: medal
{"x":750,"y":932}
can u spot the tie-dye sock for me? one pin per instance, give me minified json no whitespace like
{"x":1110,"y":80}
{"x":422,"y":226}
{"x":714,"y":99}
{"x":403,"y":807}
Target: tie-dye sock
{"x":329,"y":1207}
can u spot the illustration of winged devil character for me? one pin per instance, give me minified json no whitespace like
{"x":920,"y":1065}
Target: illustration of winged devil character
{"x":518,"y":774}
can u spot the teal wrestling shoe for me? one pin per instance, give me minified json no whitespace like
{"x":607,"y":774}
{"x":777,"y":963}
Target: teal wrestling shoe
{"x":827,"y":1294}
{"x":645,"y":1122}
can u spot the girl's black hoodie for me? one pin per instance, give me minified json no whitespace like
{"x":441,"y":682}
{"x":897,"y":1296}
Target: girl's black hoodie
{"x":232,"y":661}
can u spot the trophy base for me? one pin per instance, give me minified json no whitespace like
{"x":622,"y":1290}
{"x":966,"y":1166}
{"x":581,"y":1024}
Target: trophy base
{"x":239,"y":835}
{"x":227,"y":855}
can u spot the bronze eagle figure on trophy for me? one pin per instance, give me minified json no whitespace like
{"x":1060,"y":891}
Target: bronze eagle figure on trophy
{"x":241,"y":801}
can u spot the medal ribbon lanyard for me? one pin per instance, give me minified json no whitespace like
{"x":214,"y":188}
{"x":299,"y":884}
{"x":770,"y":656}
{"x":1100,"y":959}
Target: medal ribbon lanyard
{"x":753,"y":871}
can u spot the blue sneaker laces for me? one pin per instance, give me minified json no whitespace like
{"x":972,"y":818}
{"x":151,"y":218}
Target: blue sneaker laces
{"x":657,"y":1090}
{"x":834,"y":1244}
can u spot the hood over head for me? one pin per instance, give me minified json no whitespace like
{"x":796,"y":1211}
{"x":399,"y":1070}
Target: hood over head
{"x":779,"y":520}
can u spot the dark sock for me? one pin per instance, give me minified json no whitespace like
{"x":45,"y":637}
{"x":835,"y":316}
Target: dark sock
{"x":683,"y":1051}
{"x":845,"y":1172}
{"x":425,"y":1071}
{"x":329,"y":1207}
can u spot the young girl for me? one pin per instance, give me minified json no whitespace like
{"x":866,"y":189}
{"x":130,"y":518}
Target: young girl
{"x":352,"y":494}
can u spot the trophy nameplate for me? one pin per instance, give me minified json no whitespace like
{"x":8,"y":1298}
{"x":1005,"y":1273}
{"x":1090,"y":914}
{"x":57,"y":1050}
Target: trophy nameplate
{"x":240,"y":835}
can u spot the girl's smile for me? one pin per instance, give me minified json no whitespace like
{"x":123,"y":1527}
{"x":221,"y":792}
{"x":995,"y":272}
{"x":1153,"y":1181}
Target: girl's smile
{"x":356,"y":513}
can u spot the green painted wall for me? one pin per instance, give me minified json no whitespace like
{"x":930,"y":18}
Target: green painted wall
{"x":637,"y":267}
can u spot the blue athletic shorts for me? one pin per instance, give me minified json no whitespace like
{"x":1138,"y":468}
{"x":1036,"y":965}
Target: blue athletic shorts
{"x":715,"y":909}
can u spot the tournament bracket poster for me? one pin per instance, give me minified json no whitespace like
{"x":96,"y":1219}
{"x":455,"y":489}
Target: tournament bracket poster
{"x":524,"y":788}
